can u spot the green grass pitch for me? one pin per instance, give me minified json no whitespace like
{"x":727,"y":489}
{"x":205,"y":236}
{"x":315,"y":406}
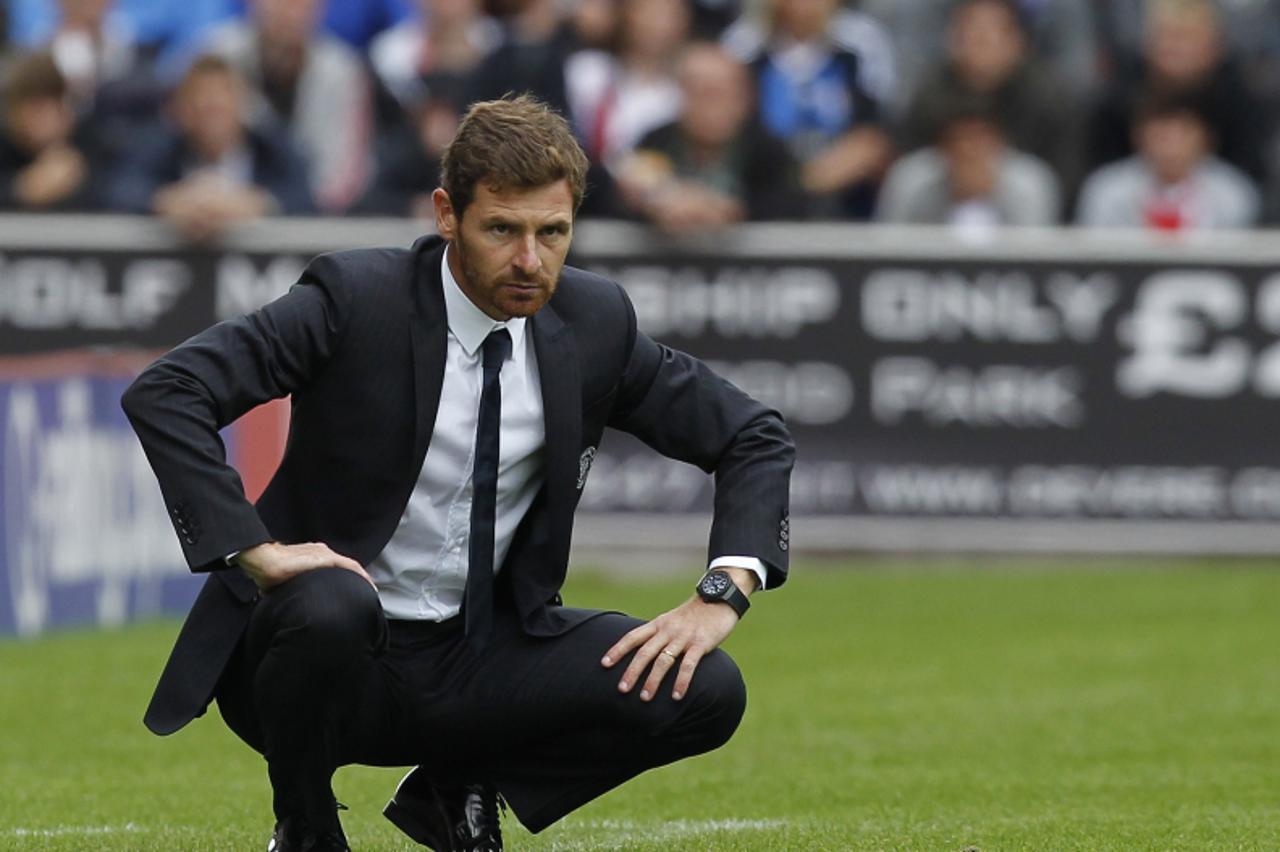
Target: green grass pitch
{"x":934,"y":706}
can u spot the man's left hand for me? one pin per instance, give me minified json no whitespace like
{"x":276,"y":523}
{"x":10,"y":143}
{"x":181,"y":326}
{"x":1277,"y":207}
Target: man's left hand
{"x":684,"y":634}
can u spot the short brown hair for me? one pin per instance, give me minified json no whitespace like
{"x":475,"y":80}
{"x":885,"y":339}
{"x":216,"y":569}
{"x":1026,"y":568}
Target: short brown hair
{"x":512,"y":143}
{"x":34,"y":77}
{"x":207,"y":64}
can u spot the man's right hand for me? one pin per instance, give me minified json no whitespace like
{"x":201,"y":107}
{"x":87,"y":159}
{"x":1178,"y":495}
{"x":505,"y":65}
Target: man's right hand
{"x":270,"y":564}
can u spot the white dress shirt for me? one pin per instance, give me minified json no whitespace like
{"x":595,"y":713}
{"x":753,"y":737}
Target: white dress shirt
{"x":422,"y":571}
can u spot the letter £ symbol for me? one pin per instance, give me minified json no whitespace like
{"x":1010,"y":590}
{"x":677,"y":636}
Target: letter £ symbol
{"x":584,"y":465}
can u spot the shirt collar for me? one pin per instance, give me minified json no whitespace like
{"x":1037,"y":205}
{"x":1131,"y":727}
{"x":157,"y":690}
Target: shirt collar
{"x":469,"y":324}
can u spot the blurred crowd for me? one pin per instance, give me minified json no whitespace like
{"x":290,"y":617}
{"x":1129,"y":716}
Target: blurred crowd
{"x":696,"y":114}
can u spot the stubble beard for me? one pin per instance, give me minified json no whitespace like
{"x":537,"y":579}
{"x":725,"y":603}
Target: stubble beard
{"x":488,"y":290}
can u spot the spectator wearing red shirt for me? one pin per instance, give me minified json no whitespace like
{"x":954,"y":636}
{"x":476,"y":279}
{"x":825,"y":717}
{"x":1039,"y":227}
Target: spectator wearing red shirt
{"x":1173,"y":182}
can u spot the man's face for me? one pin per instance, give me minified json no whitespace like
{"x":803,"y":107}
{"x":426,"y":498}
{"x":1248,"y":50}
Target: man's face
{"x":972,"y":147}
{"x":39,"y":123}
{"x":1173,"y":144}
{"x":986,"y":43}
{"x":653,"y":27}
{"x":208,"y":110}
{"x":717,"y":96}
{"x":1183,"y":44}
{"x":84,"y":13}
{"x":509,"y":245}
{"x":286,"y":22}
{"x":803,"y":19}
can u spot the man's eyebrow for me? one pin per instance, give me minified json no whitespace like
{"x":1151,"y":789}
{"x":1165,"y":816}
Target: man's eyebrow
{"x":491,"y":219}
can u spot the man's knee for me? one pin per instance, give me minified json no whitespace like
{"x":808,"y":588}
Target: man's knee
{"x":331,"y":612}
{"x":717,"y":700}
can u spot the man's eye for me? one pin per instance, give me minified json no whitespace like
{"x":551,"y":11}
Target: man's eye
{"x":500,"y":230}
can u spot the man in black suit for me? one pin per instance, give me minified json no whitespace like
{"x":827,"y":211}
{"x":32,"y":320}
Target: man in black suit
{"x":393,"y":598}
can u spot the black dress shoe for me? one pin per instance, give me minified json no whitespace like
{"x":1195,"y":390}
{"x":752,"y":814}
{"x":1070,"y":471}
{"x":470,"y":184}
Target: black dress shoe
{"x":447,"y":819}
{"x":294,"y":834}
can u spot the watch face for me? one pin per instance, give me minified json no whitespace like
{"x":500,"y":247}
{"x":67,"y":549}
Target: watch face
{"x":715,"y":584}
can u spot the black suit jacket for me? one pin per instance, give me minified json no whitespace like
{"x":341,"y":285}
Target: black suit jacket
{"x":360,"y":345}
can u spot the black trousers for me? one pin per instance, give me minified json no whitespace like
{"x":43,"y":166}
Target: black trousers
{"x":322,"y":679}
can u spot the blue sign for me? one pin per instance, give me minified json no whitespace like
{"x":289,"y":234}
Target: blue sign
{"x":84,"y":535}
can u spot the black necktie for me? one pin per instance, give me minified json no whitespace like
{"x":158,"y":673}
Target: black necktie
{"x":484,"y":494}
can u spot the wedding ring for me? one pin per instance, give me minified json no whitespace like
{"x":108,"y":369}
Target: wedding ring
{"x":667,"y":651}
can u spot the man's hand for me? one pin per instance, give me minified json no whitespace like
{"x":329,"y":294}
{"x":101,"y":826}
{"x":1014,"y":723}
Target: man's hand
{"x":860,"y":154}
{"x":203,"y":208}
{"x":686,"y":633}
{"x":54,"y":175}
{"x":270,"y":564}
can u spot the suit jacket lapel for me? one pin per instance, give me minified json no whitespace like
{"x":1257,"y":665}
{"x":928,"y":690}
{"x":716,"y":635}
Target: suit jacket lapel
{"x":562,"y":412}
{"x":429,"y":329}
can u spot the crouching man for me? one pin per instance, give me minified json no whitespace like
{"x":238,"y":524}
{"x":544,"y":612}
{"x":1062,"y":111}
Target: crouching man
{"x":393,"y":597}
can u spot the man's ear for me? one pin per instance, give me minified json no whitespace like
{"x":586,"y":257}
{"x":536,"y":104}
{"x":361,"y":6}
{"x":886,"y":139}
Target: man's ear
{"x":446,"y":219}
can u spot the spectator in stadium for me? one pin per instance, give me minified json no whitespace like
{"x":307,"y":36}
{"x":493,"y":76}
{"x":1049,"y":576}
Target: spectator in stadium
{"x":594,"y":24}
{"x":970,"y":179}
{"x":616,"y":97}
{"x":536,"y":40}
{"x":95,"y":49}
{"x":715,"y":165}
{"x":428,"y":628}
{"x":988,"y":56}
{"x":1250,"y":29}
{"x":446,"y":37}
{"x":48,"y":160}
{"x":1183,"y":54}
{"x":409,"y":153}
{"x":851,"y":29}
{"x":210,"y":171}
{"x":1063,"y":33}
{"x":1174,"y":182}
{"x":811,"y":95}
{"x":310,"y":83}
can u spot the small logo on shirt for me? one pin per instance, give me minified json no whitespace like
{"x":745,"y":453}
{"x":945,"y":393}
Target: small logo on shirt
{"x":584,"y":465}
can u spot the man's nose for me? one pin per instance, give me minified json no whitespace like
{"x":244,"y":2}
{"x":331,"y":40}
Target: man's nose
{"x":527,"y":259}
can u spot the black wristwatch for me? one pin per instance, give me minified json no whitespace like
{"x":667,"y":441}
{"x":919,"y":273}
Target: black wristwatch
{"x":717,"y":585}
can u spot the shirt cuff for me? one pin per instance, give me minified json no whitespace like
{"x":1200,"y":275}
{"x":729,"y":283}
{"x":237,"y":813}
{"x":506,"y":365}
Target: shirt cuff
{"x":751,"y":563}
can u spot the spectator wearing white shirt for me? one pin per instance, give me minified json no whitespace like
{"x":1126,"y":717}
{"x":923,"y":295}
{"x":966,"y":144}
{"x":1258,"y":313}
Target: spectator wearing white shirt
{"x":970,"y":179}
{"x":616,"y":97}
{"x":1174,"y":182}
{"x":1063,"y":33}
